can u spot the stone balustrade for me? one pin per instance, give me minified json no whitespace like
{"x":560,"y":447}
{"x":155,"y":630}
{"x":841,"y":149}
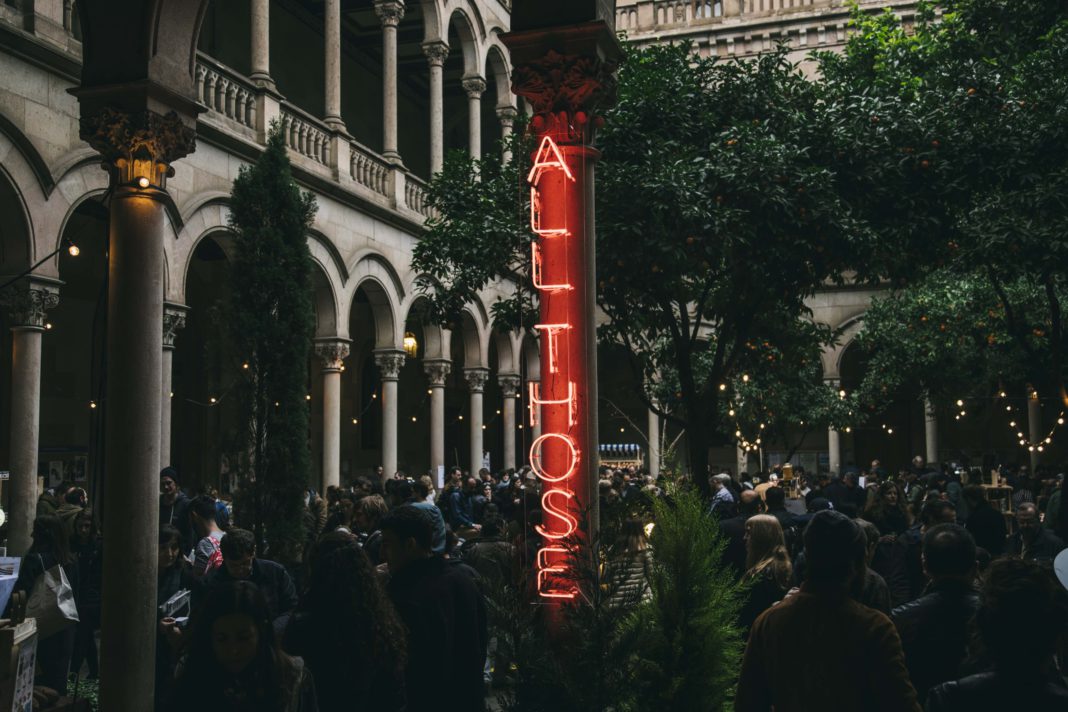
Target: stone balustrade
{"x":368,"y":168}
{"x":226,"y":92}
{"x":305,"y":134}
{"x":415,"y":197}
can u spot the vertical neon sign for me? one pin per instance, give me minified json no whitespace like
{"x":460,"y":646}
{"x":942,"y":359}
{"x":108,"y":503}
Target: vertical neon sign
{"x":559,"y":273}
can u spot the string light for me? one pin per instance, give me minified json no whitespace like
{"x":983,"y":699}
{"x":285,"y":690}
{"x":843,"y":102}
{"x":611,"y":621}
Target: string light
{"x":92,"y":404}
{"x":214,"y":401}
{"x":355,"y":421}
{"x":48,"y":326}
{"x":1039,"y":444}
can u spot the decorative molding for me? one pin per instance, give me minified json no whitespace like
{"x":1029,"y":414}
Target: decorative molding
{"x":476,"y":379}
{"x":565,"y":82}
{"x":509,"y":383}
{"x":437,"y":370}
{"x":390,"y":12}
{"x":137,"y":145}
{"x":506,"y":115}
{"x":28,"y":304}
{"x":436,"y":53}
{"x":474,"y":87}
{"x":173,"y":321}
{"x":389,"y":364}
{"x":332,"y":354}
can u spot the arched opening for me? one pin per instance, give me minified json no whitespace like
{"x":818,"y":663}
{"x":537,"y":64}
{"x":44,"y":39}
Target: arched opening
{"x":458,"y":65}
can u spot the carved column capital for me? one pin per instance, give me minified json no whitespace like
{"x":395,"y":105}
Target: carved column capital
{"x":390,"y":12}
{"x":566,"y":91}
{"x":476,"y":379}
{"x":506,"y":115}
{"x":474,"y":87}
{"x":28,"y":303}
{"x":140,"y":146}
{"x":173,"y":321}
{"x":437,"y":370}
{"x":509,"y":383}
{"x":389,"y":364}
{"x":436,"y":53}
{"x":332,"y":353}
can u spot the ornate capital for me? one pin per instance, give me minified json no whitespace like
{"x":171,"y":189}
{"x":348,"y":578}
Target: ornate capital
{"x":506,"y":115}
{"x":389,"y":364}
{"x":565,"y":91}
{"x":436,"y":53}
{"x":390,"y":12}
{"x":28,"y":304}
{"x":138,"y":145}
{"x":509,"y":383}
{"x":474,"y":87}
{"x":437,"y":370}
{"x":476,"y":379}
{"x":332,"y":353}
{"x":173,"y":321}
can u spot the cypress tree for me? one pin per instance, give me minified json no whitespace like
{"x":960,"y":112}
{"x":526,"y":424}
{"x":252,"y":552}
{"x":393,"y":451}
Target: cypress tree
{"x":271,"y":317}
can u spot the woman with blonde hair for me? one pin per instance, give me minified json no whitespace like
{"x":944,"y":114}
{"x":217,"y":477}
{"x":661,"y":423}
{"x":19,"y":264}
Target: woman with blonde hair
{"x":768,"y":568}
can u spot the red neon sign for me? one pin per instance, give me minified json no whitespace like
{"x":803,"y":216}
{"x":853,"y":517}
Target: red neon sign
{"x":558,"y":402}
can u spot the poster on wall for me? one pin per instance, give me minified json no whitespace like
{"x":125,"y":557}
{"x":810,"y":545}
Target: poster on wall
{"x":55,"y":474}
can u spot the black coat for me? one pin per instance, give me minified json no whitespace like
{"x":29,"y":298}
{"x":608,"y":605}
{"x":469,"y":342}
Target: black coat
{"x":904,"y":574}
{"x":987,"y":527}
{"x":177,"y":515}
{"x":998,"y":692}
{"x":273,"y":581}
{"x":733,"y":530}
{"x":1043,"y":549}
{"x":935,"y":632}
{"x":445,"y":614}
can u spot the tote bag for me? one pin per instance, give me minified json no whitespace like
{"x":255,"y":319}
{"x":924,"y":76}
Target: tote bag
{"x":52,"y":602}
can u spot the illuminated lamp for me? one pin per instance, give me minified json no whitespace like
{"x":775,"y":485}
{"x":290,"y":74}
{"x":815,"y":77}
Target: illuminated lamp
{"x":411,"y":346}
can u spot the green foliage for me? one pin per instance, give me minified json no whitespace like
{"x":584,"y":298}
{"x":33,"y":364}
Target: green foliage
{"x":678,"y":649}
{"x":272,"y":321}
{"x":963,"y":177}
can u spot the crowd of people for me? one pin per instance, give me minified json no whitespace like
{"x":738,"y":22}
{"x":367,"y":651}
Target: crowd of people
{"x":861,"y":592}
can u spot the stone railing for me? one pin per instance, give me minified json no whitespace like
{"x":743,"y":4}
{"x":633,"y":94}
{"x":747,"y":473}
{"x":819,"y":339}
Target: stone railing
{"x":368,"y":168}
{"x":226,"y":92}
{"x":305,"y":134}
{"x":415,"y":196}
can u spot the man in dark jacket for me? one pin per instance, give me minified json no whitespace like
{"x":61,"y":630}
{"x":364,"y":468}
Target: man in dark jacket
{"x":174,"y":508}
{"x":733,"y":530}
{"x":905,"y":575}
{"x":935,"y":629}
{"x":985,"y":524}
{"x":444,"y":612}
{"x":241,"y":564}
{"x":1031,"y":541}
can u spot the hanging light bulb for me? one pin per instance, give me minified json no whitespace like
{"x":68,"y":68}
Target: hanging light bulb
{"x":959,"y":403}
{"x":73,"y":250}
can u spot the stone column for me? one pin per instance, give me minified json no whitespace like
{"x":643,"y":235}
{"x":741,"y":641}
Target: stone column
{"x":476,"y":384}
{"x":509,"y":383}
{"x":834,"y":451}
{"x":930,"y":431}
{"x":332,"y":353}
{"x":261,"y":43}
{"x":332,"y":90}
{"x":474,"y":87}
{"x":436,"y":54}
{"x":437,"y":370}
{"x":173,"y":321}
{"x":742,"y":460}
{"x":390,"y":13}
{"x":1034,"y":425}
{"x":389,"y":363}
{"x":506,"y":115}
{"x":28,"y":303}
{"x":138,"y":149}
{"x":653,"y":433}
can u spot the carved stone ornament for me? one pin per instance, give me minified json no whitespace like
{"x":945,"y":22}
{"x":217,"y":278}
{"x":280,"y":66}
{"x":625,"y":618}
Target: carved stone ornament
{"x":436,"y":53}
{"x":568,"y":83}
{"x":332,"y":354}
{"x":476,"y":379}
{"x":390,"y":12}
{"x":437,"y":371}
{"x":509,"y":383}
{"x":474,"y":87}
{"x":28,"y":304}
{"x":389,"y":364}
{"x":138,"y":145}
{"x":173,"y":321}
{"x":506,"y":115}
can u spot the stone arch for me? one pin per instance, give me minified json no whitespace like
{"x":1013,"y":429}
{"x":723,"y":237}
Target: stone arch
{"x":372,"y":278}
{"x":832,"y":358}
{"x":34,"y":161}
{"x":433,"y":29}
{"x":435,"y":337}
{"x":211,"y":217}
{"x":509,"y":347}
{"x":12,"y":203}
{"x":474,"y":336}
{"x":459,"y":19}
{"x":497,"y":71}
{"x":325,"y":299}
{"x":531,"y":355}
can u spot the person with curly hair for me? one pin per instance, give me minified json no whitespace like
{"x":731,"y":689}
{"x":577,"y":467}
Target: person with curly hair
{"x":348,"y":632}
{"x":889,"y":511}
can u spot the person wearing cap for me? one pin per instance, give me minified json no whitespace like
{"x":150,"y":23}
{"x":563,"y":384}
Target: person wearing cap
{"x":174,"y":508}
{"x":820,"y":649}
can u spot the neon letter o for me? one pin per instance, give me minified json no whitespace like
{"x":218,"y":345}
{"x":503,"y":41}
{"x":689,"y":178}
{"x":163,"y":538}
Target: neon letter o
{"x":535,"y":457}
